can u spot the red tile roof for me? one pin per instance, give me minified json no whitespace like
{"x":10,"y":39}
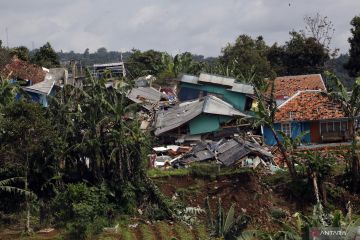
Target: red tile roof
{"x":20,"y":69}
{"x":308,"y":106}
{"x":285,"y":87}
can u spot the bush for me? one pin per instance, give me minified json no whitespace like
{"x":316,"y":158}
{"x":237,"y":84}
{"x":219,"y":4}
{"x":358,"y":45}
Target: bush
{"x":83,"y":210}
{"x":204,"y":170}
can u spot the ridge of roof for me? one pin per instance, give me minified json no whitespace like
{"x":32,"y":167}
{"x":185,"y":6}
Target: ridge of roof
{"x":295,"y":95}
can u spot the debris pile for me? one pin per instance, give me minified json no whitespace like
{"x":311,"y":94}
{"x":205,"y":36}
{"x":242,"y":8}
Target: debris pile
{"x":227,"y":152}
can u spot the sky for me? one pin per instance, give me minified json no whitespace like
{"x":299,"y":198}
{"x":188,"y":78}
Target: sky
{"x":199,"y":26}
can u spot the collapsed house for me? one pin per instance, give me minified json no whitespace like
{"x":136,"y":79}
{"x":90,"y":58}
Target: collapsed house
{"x":148,"y":97}
{"x":239,"y":95}
{"x":232,"y":152}
{"x":36,"y":81}
{"x":203,"y":116}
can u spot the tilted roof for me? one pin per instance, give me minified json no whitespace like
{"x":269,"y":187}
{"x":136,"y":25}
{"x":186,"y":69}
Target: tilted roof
{"x":147,"y":95}
{"x":175,"y":117}
{"x":309,"y":105}
{"x":230,"y":83}
{"x":287,"y":86}
{"x":43,"y":87}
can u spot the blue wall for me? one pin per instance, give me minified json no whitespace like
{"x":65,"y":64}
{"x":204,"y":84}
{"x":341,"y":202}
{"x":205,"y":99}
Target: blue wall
{"x":190,"y":91}
{"x":296,"y":129}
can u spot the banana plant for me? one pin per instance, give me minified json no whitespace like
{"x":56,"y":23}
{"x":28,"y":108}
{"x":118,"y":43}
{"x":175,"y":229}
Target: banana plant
{"x":6,"y":186}
{"x":350,"y":103}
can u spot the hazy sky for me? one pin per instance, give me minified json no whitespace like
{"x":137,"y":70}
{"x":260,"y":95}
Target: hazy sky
{"x":199,"y":26}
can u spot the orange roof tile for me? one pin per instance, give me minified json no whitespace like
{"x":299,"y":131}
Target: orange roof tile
{"x":308,"y":106}
{"x":18,"y":68}
{"x":285,"y":87}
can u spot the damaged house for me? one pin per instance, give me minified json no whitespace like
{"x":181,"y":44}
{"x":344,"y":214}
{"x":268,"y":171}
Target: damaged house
{"x":228,"y":89}
{"x":195,"y":118}
{"x":148,"y":97}
{"x":37,"y":82}
{"x":311,"y":111}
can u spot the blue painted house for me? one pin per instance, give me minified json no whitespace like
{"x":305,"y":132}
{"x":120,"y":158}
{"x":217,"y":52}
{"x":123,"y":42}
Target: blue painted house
{"x":39,"y":83}
{"x":41,"y":91}
{"x":227,"y":89}
{"x":312,"y":111}
{"x":202,"y":116}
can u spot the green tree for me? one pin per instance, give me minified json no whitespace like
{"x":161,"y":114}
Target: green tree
{"x":21,"y":52}
{"x":265,"y":116}
{"x":246,"y":56}
{"x":4,"y":56}
{"x":28,"y":142}
{"x":100,"y":145}
{"x":145,"y":63}
{"x":353,"y":65}
{"x":46,"y":57}
{"x":350,"y":103}
{"x":299,"y":55}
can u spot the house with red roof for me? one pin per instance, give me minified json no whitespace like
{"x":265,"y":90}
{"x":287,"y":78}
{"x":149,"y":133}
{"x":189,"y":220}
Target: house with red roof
{"x":304,"y":106}
{"x":286,"y":86}
{"x":36,"y":81}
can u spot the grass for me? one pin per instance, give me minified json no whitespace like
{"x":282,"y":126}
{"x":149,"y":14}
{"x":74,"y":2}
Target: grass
{"x":202,"y":170}
{"x":147,"y":232}
{"x":165,"y":230}
{"x":183,"y":231}
{"x":158,"y":173}
{"x":202,"y":232}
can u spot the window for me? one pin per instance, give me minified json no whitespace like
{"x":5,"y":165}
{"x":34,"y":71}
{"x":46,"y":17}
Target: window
{"x":292,"y":114}
{"x":334,"y":126}
{"x":286,"y":128}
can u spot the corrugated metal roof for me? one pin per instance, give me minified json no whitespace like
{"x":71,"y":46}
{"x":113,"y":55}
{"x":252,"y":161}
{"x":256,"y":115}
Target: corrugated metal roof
{"x":243,"y":88}
{"x":43,"y":87}
{"x":177,"y":116}
{"x":214,"y":105}
{"x":204,"y":77}
{"x":233,"y":154}
{"x":189,"y":79}
{"x":147,"y":95}
{"x":109,"y":64}
{"x":181,"y":114}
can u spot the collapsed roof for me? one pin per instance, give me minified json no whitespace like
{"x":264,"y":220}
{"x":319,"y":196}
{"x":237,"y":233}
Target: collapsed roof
{"x":184,"y":112}
{"x":44,"y":87}
{"x":149,"y":96}
{"x":19,"y":69}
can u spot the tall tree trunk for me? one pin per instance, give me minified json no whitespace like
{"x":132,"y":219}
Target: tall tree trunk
{"x":323,"y":192}
{"x":316,"y":188}
{"x":289,"y":163}
{"x":27,"y":225}
{"x":354,"y":159}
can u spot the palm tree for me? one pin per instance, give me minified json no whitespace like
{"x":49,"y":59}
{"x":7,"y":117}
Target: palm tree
{"x":350,"y":103}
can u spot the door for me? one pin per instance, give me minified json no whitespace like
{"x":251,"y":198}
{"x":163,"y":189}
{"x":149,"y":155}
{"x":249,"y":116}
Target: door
{"x":315,"y":132}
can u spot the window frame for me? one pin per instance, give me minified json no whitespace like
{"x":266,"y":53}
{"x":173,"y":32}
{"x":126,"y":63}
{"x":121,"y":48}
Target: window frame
{"x":287,"y":132}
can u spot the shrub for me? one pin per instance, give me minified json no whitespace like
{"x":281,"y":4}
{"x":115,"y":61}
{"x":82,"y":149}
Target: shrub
{"x":84,"y":210}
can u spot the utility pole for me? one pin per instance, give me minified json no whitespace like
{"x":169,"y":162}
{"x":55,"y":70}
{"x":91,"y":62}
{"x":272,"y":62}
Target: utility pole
{"x":7,"y":37}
